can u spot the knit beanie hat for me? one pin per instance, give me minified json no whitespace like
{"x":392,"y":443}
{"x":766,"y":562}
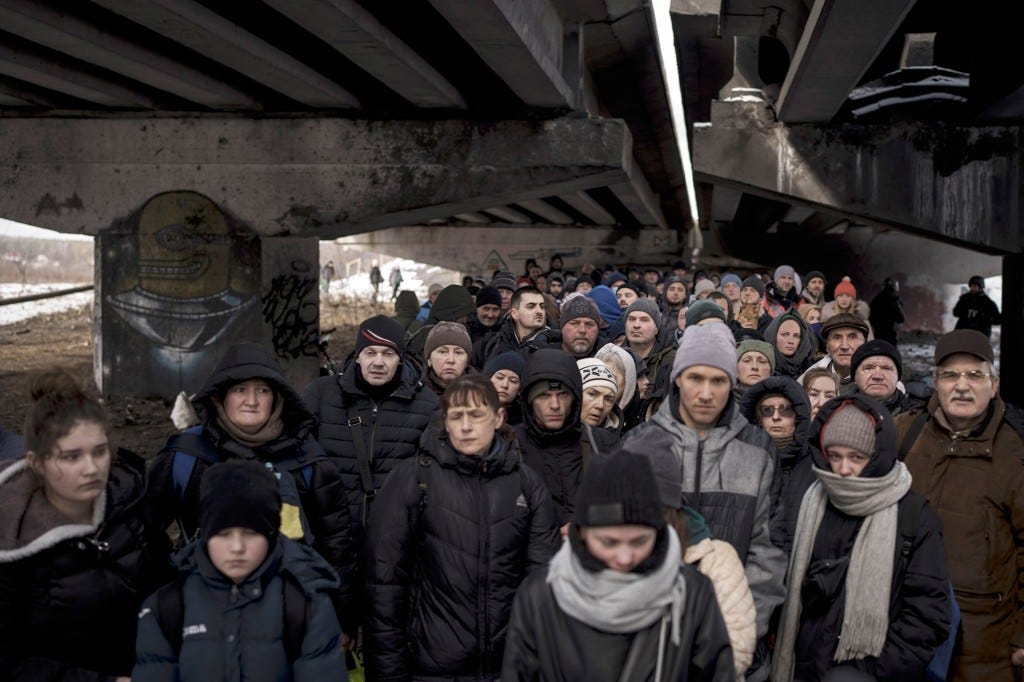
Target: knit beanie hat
{"x":755,"y":283}
{"x":488,"y":295}
{"x":613,"y":277}
{"x":380,"y":330}
{"x":702,"y":310}
{"x":619,"y":490}
{"x":846,"y":287}
{"x":504,"y":280}
{"x":703,"y":286}
{"x":814,"y":273}
{"x":453,"y":302}
{"x":711,"y":345}
{"x":608,"y":350}
{"x":763,"y":347}
{"x":239,"y":493}
{"x":510,"y":360}
{"x":976,"y":279}
{"x":730,"y":277}
{"x":596,"y":373}
{"x":447,"y":334}
{"x":851,"y":427}
{"x":876,"y":347}
{"x":784,"y":271}
{"x":644,"y":305}
{"x":579,"y":306}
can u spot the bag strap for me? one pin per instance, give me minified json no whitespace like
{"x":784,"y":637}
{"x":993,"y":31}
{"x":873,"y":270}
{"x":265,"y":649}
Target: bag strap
{"x":170,"y":612}
{"x":907,"y":523}
{"x":628,"y":672}
{"x":587,"y":445}
{"x":912,"y":434}
{"x":355,"y":422}
{"x":421,"y":482}
{"x":296,"y":614}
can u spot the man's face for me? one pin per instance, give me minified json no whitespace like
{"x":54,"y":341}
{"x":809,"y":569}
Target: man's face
{"x":876,"y":376}
{"x":506,"y":298}
{"x":625,"y":297}
{"x":975,"y":289}
{"x":640,"y":328}
{"x":964,"y":396}
{"x":703,"y":393}
{"x":840,"y":345}
{"x":555,"y":287}
{"x":579,"y":336}
{"x":784,"y":283}
{"x":675,"y":293}
{"x":530,"y":312}
{"x":378,"y":364}
{"x":551,"y":408}
{"x":749,"y":295}
{"x":816,"y":285}
{"x":731,"y":290}
{"x":488,"y":314}
{"x":651,"y":277}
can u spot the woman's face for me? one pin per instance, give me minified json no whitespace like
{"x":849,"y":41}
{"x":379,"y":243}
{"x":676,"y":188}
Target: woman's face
{"x":584,"y":286}
{"x":843,"y":301}
{"x":787,"y":339}
{"x":76,"y":472}
{"x":506,"y":383}
{"x":752,"y":368}
{"x":471,"y":428}
{"x":248,"y":405}
{"x":777,"y":417}
{"x":598,"y":402}
{"x":813,"y":316}
{"x":448,"y":362}
{"x":620,"y":548}
{"x":820,"y":392}
{"x":845,"y":461}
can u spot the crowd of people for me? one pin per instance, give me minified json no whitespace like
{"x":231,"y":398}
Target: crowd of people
{"x":605,"y":475}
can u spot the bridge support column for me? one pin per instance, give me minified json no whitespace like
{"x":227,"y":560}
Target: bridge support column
{"x":179,"y":280}
{"x":1011,"y":363}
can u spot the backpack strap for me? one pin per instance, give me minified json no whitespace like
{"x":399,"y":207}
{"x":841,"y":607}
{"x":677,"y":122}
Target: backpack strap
{"x":296,"y":615}
{"x":912,"y":434}
{"x":170,"y":612}
{"x":422,"y":463}
{"x":355,"y":422}
{"x":187,"y":446}
{"x":906,"y":526}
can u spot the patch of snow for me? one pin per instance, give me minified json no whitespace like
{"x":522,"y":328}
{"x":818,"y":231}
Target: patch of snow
{"x":19,"y":312}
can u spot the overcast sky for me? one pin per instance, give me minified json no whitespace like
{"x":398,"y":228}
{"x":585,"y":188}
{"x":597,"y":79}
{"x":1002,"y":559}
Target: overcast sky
{"x":9,"y":228}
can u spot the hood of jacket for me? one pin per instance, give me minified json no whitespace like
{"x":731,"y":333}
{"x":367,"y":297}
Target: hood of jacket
{"x":795,"y":394}
{"x":727,"y":427}
{"x":606,"y":302}
{"x":29,"y":524}
{"x":243,"y":362}
{"x":454,"y":302}
{"x":883,"y":459}
{"x":407,"y":304}
{"x":549,"y":364}
{"x":799,"y":361}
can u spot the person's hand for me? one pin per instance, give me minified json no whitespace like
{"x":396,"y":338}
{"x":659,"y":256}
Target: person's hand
{"x":564,"y":530}
{"x":346,"y":642}
{"x":1017,"y":657}
{"x":122,"y":678}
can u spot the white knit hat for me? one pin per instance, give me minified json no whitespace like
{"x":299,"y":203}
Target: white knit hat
{"x":596,"y":373}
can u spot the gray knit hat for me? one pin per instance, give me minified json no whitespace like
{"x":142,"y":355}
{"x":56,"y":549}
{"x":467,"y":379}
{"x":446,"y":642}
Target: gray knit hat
{"x":579,"y":306}
{"x":644,"y":305}
{"x":851,"y":427}
{"x":763,"y":347}
{"x":784,"y":271}
{"x":712,"y":345}
{"x":702,"y":310}
{"x":504,"y":280}
{"x":447,"y":334}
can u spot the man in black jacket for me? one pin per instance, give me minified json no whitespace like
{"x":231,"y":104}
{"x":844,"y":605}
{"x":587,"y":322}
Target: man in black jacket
{"x":975,"y":310}
{"x":555,"y":443}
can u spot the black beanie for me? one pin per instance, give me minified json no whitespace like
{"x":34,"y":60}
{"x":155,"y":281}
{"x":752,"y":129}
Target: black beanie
{"x":619,"y":490}
{"x":380,"y":330}
{"x":488,"y":295}
{"x":754,"y":282}
{"x":876,"y":347}
{"x":239,"y":493}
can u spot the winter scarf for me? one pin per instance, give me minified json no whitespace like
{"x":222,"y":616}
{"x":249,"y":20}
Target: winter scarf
{"x":271,"y":430}
{"x":869,"y":575}
{"x":619,"y":602}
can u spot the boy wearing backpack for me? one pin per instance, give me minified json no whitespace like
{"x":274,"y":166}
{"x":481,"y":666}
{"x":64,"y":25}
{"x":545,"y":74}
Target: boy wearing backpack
{"x":248,"y":603}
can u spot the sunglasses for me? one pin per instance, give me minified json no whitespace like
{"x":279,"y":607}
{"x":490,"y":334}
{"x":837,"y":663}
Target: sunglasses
{"x":769,"y":410}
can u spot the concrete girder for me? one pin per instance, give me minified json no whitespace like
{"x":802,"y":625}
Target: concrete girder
{"x":71,"y":36}
{"x":323,"y":177}
{"x":363,"y":40}
{"x":546,"y":211}
{"x":520,"y":40}
{"x":8,"y":100}
{"x":961,"y":185}
{"x":49,"y":74}
{"x":200,"y":29}
{"x":509,"y":215}
{"x":586,"y":205}
{"x":840,"y":41}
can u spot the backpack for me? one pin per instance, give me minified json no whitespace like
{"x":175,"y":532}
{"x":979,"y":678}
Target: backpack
{"x":169,"y":611}
{"x":908,"y":520}
{"x":294,"y":524}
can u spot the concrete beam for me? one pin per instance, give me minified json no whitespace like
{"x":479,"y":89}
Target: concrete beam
{"x":52,"y":75}
{"x":546,"y":211}
{"x":12,"y":101}
{"x":324,"y":177}
{"x":961,"y":185}
{"x":210,"y":34}
{"x":89,"y":43}
{"x":839,"y":42}
{"x":357,"y":34}
{"x":586,"y":205}
{"x":520,"y":40}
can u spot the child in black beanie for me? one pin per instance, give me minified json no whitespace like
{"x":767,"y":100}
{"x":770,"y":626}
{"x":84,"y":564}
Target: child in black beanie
{"x":249,"y":603}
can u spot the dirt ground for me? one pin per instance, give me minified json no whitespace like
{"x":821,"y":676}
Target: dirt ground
{"x":139,"y":423}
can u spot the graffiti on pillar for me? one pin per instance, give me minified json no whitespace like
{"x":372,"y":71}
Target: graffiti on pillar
{"x":291,"y":308}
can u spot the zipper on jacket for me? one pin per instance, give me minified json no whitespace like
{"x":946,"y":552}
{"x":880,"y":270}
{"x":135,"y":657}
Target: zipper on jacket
{"x":998,"y":596}
{"x":485,"y":525}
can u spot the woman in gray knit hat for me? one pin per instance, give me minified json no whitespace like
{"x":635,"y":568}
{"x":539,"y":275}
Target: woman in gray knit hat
{"x":867,"y":595}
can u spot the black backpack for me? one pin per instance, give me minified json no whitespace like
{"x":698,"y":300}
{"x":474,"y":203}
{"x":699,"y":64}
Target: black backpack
{"x":170,"y":614}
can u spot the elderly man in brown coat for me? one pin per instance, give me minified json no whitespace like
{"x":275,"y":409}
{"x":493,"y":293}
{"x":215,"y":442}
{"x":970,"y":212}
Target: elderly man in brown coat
{"x":969,"y":463}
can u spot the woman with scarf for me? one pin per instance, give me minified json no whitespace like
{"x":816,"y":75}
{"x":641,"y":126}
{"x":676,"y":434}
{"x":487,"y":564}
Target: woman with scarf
{"x":794,"y":342}
{"x":864,"y":596}
{"x":615,"y":602}
{"x":446,"y":350}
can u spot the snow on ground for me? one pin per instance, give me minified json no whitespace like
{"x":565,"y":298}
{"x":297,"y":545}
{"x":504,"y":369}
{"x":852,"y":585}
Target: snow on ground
{"x":415,"y":276}
{"x":18,"y":312}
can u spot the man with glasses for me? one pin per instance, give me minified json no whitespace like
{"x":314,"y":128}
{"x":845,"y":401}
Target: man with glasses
{"x":967,"y":460}
{"x":876,"y":368}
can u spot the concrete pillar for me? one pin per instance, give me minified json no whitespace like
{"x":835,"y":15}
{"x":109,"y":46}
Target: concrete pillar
{"x":1011,"y":340}
{"x":180,"y":279}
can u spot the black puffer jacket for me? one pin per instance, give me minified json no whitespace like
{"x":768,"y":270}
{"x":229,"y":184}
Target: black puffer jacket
{"x":794,"y":460}
{"x":70,"y":594}
{"x":504,"y":338}
{"x":317,"y":481}
{"x":441,"y":578}
{"x":919,"y":617}
{"x":558,"y":455}
{"x":390,"y":427}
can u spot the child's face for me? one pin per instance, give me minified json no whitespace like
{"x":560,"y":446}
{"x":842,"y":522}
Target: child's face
{"x":237,"y":552}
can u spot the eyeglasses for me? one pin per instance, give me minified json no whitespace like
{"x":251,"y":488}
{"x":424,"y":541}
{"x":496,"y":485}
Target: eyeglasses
{"x":951,"y":376}
{"x":769,"y":410}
